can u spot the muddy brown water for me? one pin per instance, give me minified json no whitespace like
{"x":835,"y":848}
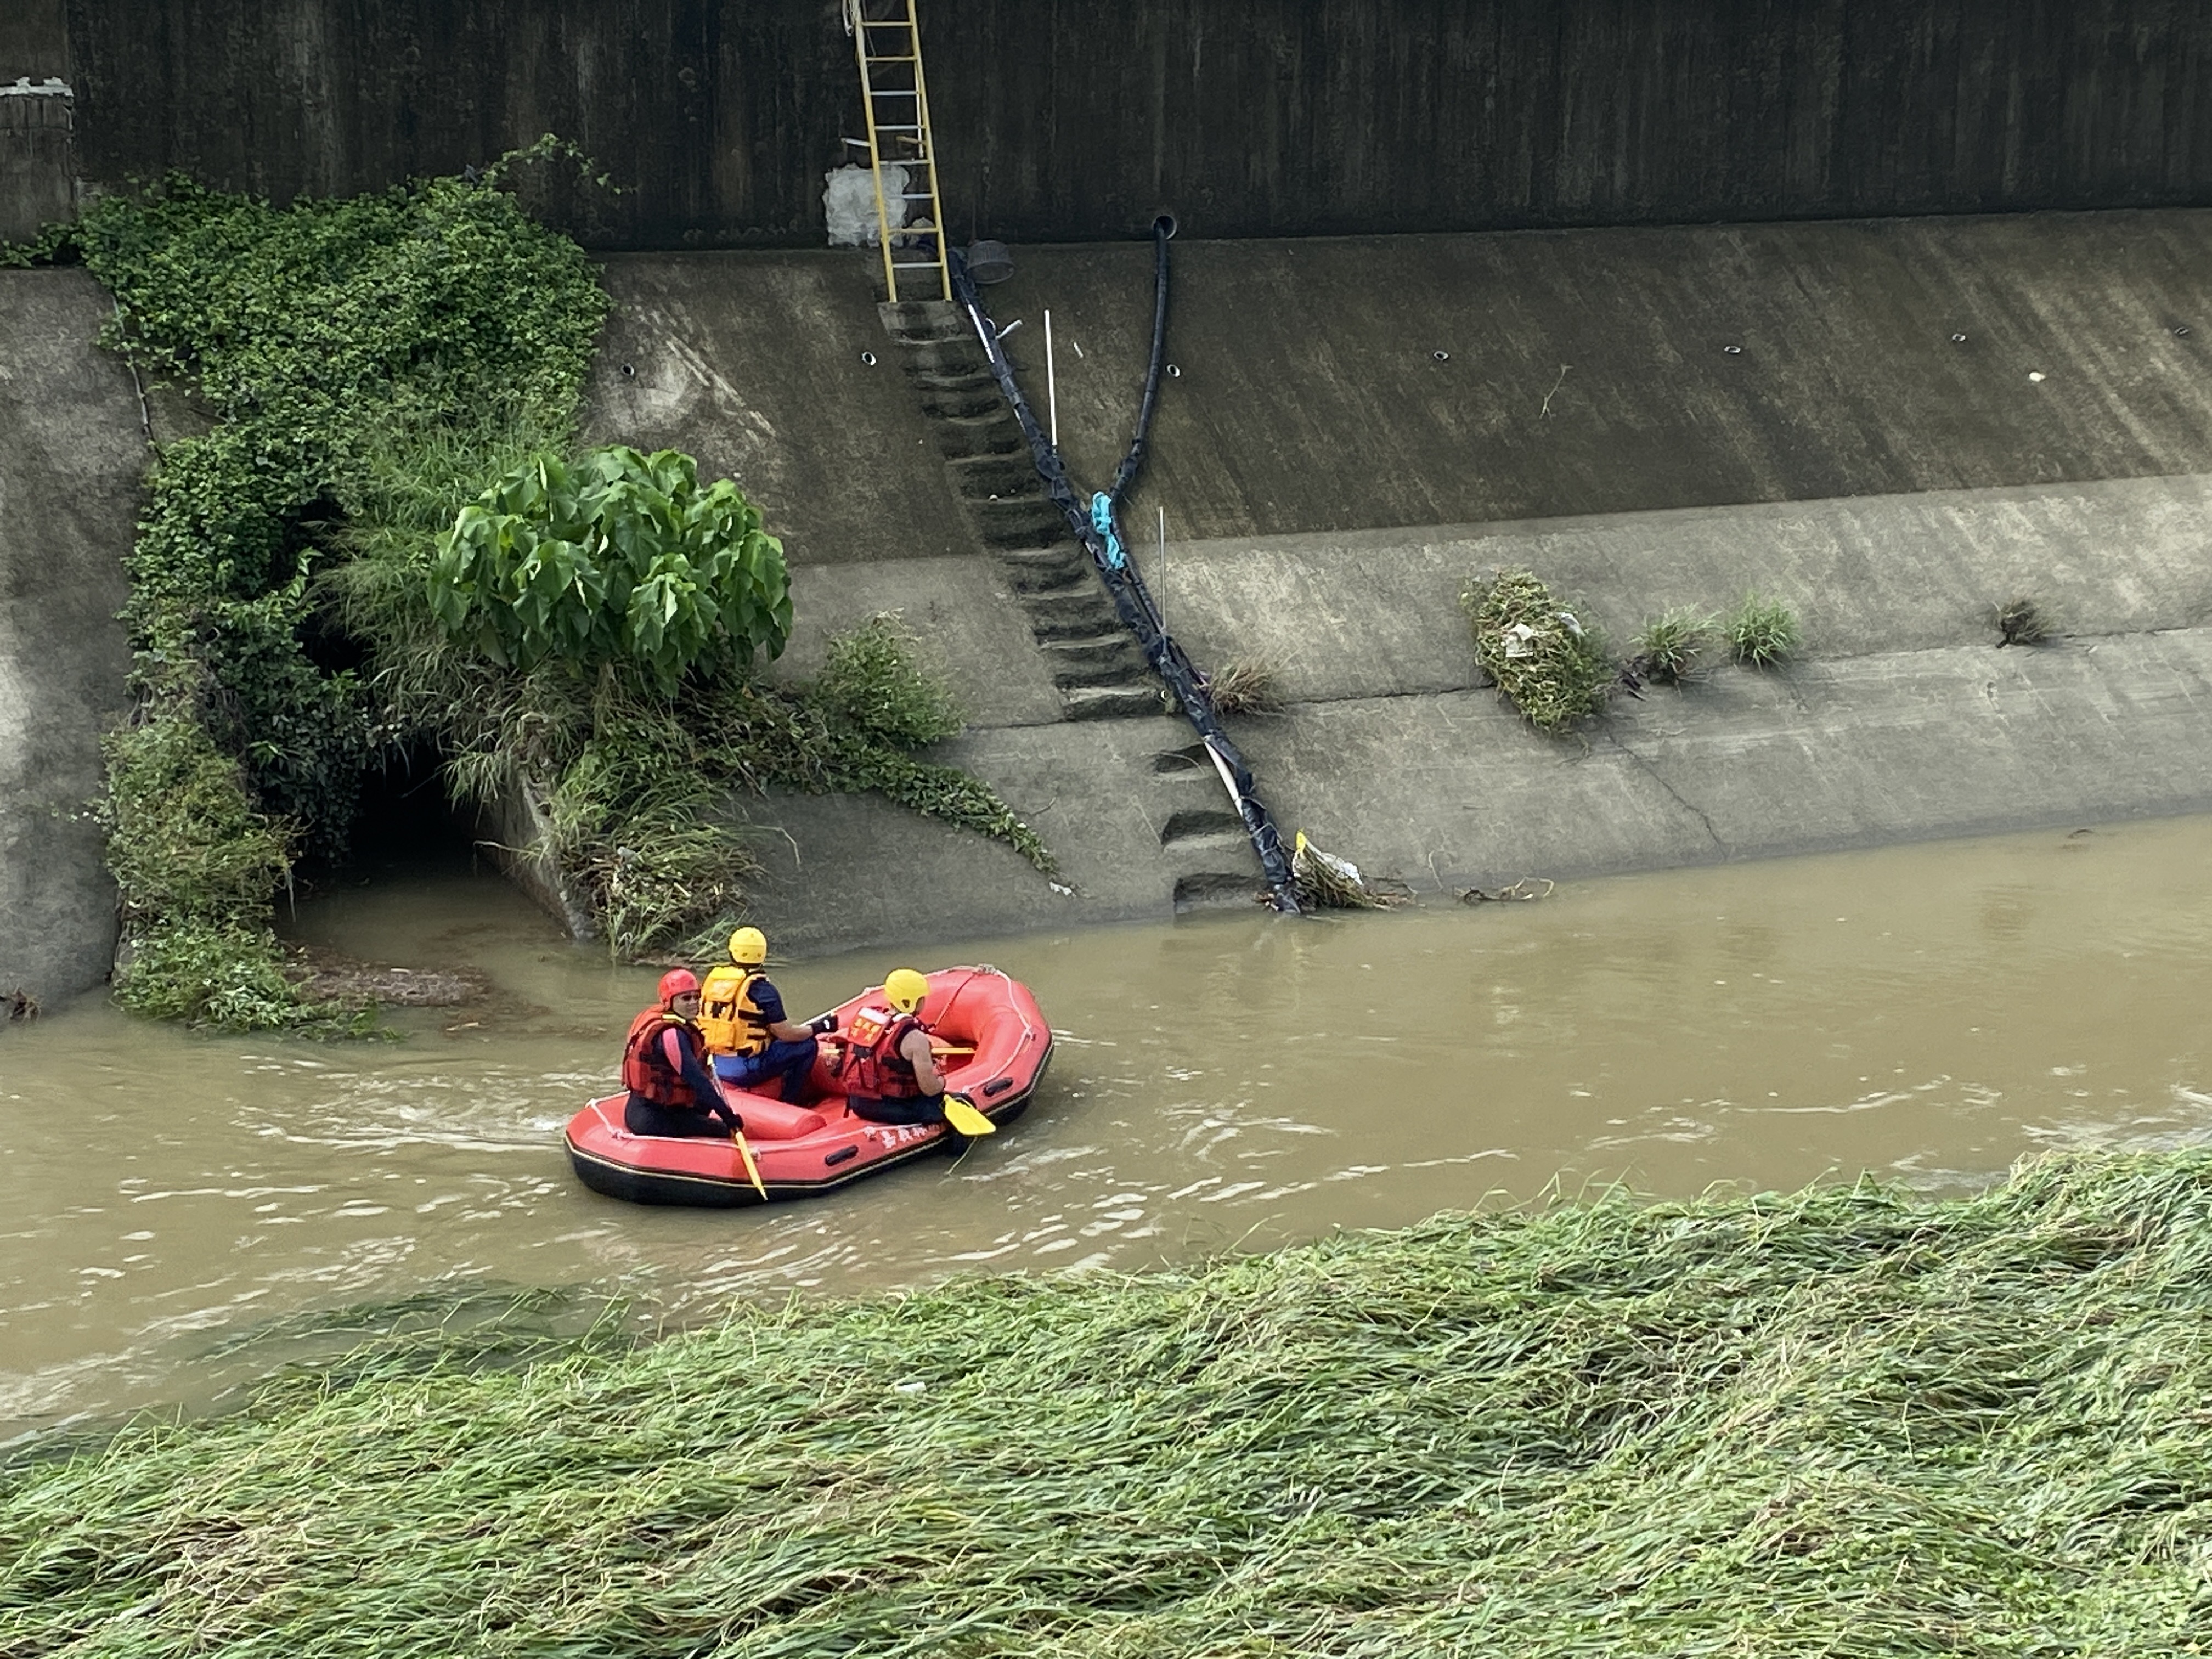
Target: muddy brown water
{"x":1224,"y":1082}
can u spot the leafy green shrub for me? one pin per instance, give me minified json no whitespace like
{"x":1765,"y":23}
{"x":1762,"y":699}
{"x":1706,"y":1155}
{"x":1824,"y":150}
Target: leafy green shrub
{"x":196,"y":863}
{"x":620,"y":560}
{"x":851,"y":730}
{"x":1549,"y":664}
{"x":1761,"y":632}
{"x":185,"y":839}
{"x":1671,"y":644}
{"x":872,"y":683}
{"x":226,"y":975}
{"x":639,"y":822}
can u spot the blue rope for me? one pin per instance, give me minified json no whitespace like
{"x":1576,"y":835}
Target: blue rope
{"x":1101,"y":520}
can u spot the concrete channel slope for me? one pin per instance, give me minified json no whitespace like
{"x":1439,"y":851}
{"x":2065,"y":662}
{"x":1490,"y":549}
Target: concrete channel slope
{"x":1893,"y":426}
{"x":71,"y":454}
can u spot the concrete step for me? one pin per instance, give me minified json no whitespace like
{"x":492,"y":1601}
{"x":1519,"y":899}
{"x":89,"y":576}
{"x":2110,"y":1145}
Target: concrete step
{"x":915,"y":322}
{"x":1045,"y":570}
{"x":1008,"y":476}
{"x":958,"y":355}
{"x":1188,"y":795}
{"x":1213,"y":849}
{"x":1111,"y":702}
{"x":1189,"y":761}
{"x":1098,"y":660}
{"x":993,"y":432}
{"x":1019,"y":524}
{"x":1076,"y":613}
{"x":950,"y":381}
{"x":960,"y":403}
{"x":1191,"y":826}
{"x":1217,"y":890}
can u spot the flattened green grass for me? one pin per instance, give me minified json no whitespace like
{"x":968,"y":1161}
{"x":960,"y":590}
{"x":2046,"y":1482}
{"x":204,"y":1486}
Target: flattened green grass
{"x":1843,"y":1422}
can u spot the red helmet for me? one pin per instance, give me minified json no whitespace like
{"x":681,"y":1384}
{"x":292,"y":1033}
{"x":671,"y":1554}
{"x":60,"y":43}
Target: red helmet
{"x":676,"y":982}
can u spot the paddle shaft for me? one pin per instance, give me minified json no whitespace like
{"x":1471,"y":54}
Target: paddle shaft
{"x":937,"y":1045}
{"x":745,"y":1152}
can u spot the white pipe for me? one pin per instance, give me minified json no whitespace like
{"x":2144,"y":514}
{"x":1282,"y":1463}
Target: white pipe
{"x":1051,"y":385}
{"x":1163,"y":601}
{"x":1228,"y":781}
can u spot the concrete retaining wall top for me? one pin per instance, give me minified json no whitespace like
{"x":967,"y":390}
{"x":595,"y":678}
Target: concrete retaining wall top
{"x":1059,"y":121}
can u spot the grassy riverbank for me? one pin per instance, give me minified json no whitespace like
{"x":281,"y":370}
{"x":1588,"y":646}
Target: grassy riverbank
{"x":1842,"y":1422}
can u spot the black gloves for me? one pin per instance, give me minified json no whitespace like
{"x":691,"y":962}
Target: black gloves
{"x":732,"y":1121}
{"x":822,"y":1025}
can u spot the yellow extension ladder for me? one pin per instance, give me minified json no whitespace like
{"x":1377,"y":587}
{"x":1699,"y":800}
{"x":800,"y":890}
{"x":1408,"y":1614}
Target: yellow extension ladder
{"x":887,"y":40}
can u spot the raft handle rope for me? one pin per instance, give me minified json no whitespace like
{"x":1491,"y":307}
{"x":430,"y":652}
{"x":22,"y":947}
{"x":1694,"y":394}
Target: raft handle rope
{"x":1096,"y":525}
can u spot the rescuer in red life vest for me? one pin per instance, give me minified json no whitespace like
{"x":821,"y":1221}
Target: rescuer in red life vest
{"x":888,"y":1074}
{"x":665,"y":1068}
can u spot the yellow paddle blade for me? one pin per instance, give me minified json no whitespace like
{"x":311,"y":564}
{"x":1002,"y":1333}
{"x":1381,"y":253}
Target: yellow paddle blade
{"x":745,"y":1152}
{"x":962,"y":1116}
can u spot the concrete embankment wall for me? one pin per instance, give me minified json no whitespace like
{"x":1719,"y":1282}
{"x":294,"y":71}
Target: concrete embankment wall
{"x":71,"y":454}
{"x":1329,"y":486}
{"x":1267,"y":118}
{"x":1903,"y":718}
{"x":1902,"y":721}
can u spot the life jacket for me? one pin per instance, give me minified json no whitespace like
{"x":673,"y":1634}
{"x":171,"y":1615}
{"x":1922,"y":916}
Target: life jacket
{"x":730,"y":1021}
{"x":871,"y":1065}
{"x":645,"y":1070}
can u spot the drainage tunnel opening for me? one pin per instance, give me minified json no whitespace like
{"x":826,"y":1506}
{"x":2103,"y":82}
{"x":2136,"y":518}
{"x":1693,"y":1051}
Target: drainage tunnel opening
{"x":405,"y":822}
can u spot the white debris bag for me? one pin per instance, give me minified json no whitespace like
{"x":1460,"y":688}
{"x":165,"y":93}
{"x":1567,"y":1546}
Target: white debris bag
{"x":849,"y":203}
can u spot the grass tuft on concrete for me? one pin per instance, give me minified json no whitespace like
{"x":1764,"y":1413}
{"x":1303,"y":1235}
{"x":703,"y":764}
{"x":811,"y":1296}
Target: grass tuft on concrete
{"x":1761,"y":632}
{"x":1674,"y":643}
{"x":1840,"y":1422}
{"x":1247,"y":685}
{"x":2020,"y":622}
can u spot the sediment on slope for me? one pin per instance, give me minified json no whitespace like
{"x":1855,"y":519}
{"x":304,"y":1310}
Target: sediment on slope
{"x":1841,"y":1421}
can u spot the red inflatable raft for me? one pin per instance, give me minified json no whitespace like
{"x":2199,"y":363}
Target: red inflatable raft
{"x":992,"y":1045}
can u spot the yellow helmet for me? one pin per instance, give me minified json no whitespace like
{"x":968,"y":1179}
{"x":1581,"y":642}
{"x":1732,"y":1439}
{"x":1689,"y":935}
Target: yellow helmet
{"x":748,"y":947}
{"x":904,"y":989}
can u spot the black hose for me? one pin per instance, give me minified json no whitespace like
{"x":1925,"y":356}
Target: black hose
{"x":1133,"y":601}
{"x":1133,"y":462}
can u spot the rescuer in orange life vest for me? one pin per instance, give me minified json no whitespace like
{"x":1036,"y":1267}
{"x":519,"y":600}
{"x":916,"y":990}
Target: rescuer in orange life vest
{"x":748,"y":1036}
{"x":670,"y":1090}
{"x":888,"y":1074}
